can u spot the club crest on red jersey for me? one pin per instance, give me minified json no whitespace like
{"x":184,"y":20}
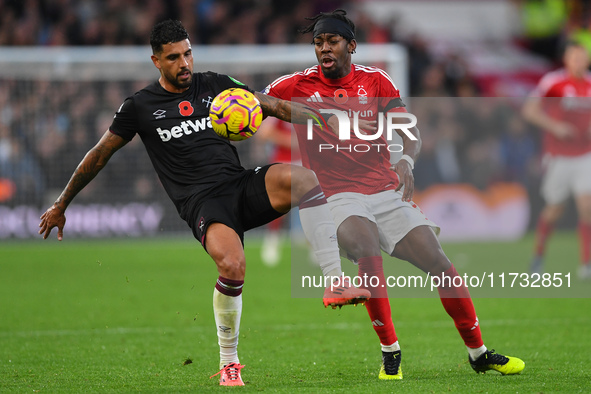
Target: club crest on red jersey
{"x":362,"y":93}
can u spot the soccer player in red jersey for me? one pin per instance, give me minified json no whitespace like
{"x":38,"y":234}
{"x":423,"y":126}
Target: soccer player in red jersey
{"x":561,"y":106}
{"x":363,"y":189}
{"x":202,"y":175}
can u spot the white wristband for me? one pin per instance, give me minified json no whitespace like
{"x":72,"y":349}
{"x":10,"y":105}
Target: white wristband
{"x":409,"y":160}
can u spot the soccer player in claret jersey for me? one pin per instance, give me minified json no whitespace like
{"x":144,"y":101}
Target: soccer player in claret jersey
{"x":561,"y":106}
{"x":363,"y":190}
{"x":202,"y":174}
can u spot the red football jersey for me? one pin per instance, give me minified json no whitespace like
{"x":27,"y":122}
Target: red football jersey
{"x":562,"y":95}
{"x":355,"y":164}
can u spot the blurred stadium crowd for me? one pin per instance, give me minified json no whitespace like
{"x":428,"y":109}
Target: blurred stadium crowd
{"x":46,"y":127}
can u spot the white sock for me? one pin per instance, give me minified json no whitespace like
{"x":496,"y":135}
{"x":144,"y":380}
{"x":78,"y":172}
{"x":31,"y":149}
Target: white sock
{"x":321,"y":233}
{"x":391,"y":348}
{"x":227,"y":311}
{"x":476,"y":352}
{"x":326,"y":260}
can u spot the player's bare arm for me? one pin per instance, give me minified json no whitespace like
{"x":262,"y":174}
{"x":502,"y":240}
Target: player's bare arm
{"x":298,"y":113}
{"x":533,"y":112}
{"x":285,"y":110}
{"x":94,"y":161}
{"x":404,"y":167}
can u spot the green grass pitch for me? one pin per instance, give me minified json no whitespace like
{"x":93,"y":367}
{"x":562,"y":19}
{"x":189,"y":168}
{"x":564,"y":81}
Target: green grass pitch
{"x":127,"y":315}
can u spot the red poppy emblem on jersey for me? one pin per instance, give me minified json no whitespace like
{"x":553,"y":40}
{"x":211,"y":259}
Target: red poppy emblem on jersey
{"x":340,"y":96}
{"x":185,"y":108}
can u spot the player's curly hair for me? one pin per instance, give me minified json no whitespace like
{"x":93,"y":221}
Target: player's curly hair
{"x":166,"y":32}
{"x":337,"y":14}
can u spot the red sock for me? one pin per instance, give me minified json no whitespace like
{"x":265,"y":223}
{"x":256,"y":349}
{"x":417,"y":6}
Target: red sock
{"x":585,"y":239}
{"x":543,"y":231}
{"x":458,"y":304}
{"x":378,"y":306}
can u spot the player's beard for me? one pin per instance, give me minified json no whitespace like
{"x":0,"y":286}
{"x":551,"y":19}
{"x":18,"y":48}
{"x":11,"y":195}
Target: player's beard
{"x":331,"y":74}
{"x":174,"y":81}
{"x":334,"y":72}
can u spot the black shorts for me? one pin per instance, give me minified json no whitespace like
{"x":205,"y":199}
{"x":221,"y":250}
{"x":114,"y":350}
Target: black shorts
{"x":241,"y":203}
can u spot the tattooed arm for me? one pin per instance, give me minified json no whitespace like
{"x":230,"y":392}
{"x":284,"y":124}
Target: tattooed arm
{"x":285,"y":110}
{"x":89,"y":167}
{"x":298,"y":113}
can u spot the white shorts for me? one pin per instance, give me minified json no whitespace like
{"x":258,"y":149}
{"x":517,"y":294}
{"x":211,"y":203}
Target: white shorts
{"x":566,"y":176}
{"x":394,"y":217}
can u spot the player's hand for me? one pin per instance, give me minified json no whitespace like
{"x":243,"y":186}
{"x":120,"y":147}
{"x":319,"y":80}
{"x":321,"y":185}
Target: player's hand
{"x":366,"y":126}
{"x":333,"y":123}
{"x":407,"y":179}
{"x":53,"y":217}
{"x":563,"y":130}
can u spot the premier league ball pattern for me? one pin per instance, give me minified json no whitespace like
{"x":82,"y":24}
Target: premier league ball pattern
{"x":235,"y":114}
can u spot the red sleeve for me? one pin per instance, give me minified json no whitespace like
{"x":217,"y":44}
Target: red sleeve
{"x":390,"y":95}
{"x":546,"y":86}
{"x":282,"y":87}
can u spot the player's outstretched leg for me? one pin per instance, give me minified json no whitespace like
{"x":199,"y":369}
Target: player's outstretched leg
{"x":320,"y":231}
{"x":492,"y":360}
{"x":458,"y":304}
{"x":289,"y":186}
{"x":455,"y":299}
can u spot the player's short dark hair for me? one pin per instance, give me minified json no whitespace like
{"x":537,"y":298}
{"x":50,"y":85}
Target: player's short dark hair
{"x":336,"y":14}
{"x":166,"y":32}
